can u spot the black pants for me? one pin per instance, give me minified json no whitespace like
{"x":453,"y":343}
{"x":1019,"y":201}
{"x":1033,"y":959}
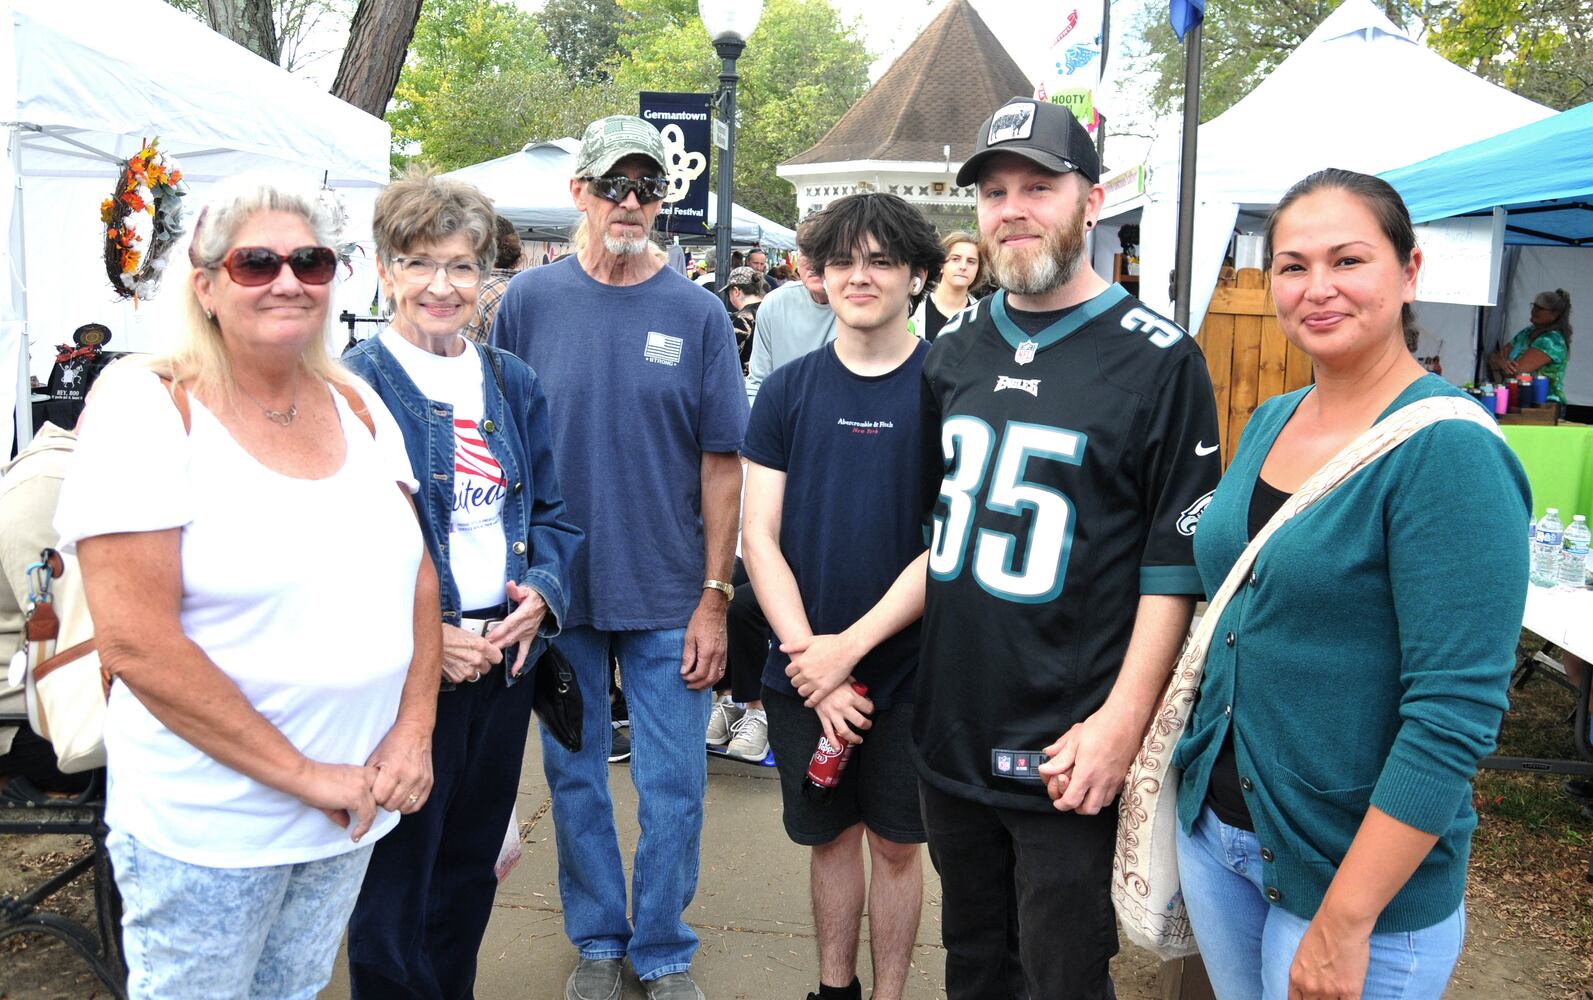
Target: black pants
{"x":428,"y":892}
{"x":1027,"y":911}
{"x":748,"y":636}
{"x":33,"y":758}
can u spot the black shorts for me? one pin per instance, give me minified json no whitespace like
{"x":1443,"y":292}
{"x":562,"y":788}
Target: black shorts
{"x":879,"y":787}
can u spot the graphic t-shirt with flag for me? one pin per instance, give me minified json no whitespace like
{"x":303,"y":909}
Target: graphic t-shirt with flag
{"x":476,"y":542}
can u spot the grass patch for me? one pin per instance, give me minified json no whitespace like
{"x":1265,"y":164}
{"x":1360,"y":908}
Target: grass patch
{"x":1530,"y":853}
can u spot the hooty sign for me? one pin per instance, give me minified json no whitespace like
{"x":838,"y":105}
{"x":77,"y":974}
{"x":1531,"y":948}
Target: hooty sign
{"x":1071,"y":72}
{"x":682,"y":119}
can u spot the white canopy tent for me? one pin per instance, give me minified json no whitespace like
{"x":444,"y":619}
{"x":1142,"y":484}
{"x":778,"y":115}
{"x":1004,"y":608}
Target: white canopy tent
{"x":1358,"y":93}
{"x":79,"y":94}
{"x":531,"y":188}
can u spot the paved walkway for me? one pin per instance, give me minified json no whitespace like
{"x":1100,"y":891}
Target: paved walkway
{"x":752,"y":912}
{"x":751,"y":909}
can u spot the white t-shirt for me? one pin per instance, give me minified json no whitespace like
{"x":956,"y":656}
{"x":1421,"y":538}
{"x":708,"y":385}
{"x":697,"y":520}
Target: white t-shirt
{"x":477,"y":548}
{"x":302,"y":591}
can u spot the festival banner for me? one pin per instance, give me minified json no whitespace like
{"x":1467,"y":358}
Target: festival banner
{"x":1071,"y":72}
{"x":683,"y":120}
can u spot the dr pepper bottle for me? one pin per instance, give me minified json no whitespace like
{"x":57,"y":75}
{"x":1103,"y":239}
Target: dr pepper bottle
{"x":824,"y":770}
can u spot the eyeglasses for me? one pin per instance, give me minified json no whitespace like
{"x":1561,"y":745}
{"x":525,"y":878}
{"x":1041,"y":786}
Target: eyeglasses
{"x":646,"y":189}
{"x":255,"y":266}
{"x":421,"y":270}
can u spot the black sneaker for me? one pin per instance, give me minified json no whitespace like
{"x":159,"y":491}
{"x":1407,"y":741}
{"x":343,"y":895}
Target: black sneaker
{"x":619,"y":748}
{"x":1580,"y":789}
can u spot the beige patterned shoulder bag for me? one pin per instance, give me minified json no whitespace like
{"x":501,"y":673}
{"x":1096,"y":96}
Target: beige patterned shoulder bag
{"x":1145,"y":890}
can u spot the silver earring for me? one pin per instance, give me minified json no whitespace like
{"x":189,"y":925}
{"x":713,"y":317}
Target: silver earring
{"x":210,"y":314}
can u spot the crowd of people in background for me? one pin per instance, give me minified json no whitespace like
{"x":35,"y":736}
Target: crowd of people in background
{"x":930,"y":498}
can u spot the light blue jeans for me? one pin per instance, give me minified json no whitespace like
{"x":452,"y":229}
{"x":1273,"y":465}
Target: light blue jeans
{"x":191,"y":932}
{"x":670,"y":771}
{"x":1248,"y":944}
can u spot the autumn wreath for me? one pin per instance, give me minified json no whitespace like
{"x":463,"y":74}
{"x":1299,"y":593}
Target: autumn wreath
{"x":145,"y":208}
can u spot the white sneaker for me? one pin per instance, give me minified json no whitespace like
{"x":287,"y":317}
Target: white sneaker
{"x":750,"y":737}
{"x":723,"y":721}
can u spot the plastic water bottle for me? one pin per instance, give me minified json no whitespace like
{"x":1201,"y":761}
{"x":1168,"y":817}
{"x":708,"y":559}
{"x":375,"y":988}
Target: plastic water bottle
{"x":1573,"y":554}
{"x":1546,"y":553}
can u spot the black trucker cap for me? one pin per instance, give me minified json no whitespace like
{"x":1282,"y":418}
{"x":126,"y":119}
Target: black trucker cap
{"x":1046,"y":133}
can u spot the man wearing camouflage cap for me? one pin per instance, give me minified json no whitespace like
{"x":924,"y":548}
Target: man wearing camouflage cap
{"x":640,"y":370}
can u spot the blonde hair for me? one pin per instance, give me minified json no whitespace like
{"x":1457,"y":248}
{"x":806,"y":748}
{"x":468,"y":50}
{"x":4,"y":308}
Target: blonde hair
{"x":199,"y":358}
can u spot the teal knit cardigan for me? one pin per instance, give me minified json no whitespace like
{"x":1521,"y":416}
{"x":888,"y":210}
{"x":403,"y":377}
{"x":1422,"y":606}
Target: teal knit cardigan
{"x":1366,"y":660}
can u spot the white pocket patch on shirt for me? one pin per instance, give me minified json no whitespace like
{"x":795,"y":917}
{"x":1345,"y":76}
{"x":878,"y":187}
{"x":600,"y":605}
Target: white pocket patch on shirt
{"x":662,"y":349}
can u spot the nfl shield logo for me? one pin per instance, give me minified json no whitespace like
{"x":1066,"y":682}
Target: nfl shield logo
{"x":1003,"y":762}
{"x":1025,"y":352}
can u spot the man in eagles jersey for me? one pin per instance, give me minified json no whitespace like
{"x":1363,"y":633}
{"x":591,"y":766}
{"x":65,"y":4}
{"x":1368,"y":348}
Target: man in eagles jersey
{"x":1071,"y":444}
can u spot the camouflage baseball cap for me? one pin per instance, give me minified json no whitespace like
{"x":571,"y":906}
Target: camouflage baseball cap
{"x":609,"y":140}
{"x":743,"y":277}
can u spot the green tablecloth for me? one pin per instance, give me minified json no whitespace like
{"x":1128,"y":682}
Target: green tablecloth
{"x":1559,"y":464}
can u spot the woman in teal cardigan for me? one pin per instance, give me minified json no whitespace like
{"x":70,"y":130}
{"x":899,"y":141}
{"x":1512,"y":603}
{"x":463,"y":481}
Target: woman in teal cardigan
{"x":1360,"y":673}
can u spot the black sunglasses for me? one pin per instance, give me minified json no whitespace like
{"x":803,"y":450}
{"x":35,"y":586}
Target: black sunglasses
{"x":646,"y":189}
{"x":255,"y":266}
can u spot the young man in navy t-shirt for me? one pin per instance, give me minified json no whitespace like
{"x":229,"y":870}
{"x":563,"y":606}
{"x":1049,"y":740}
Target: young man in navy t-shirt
{"x":833,"y":522}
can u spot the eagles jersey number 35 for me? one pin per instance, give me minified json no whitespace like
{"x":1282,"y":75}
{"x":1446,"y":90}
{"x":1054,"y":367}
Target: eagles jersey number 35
{"x":1065,"y":473}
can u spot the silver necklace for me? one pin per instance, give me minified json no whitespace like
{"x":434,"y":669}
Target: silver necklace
{"x":280,"y":417}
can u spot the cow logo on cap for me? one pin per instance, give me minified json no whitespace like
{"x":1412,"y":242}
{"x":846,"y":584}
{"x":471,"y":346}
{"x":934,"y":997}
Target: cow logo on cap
{"x":1015,"y":121}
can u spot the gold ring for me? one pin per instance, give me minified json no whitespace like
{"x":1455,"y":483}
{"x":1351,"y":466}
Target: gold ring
{"x":413,"y":798}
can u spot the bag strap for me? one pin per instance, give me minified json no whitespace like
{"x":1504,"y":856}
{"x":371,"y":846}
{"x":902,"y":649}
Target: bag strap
{"x":1373,"y":443}
{"x":357,"y":404}
{"x":496,"y":365}
{"x":179,"y":398}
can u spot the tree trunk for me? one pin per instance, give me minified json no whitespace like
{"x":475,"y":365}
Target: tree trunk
{"x":378,"y":42}
{"x":247,"y":22}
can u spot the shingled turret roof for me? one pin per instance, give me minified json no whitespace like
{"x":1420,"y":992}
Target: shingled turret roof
{"x":938,"y":91}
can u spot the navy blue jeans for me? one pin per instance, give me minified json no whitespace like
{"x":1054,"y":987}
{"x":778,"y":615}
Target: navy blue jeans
{"x":428,"y":892}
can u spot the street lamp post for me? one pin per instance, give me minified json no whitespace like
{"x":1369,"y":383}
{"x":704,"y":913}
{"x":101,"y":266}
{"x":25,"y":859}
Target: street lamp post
{"x":729,"y":23}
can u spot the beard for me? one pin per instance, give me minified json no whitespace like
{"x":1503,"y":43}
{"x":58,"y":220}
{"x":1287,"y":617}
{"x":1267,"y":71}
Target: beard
{"x":1042,"y":269}
{"x":619,"y":246}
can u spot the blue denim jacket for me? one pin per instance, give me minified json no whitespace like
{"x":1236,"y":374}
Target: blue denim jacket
{"x":541,"y":539}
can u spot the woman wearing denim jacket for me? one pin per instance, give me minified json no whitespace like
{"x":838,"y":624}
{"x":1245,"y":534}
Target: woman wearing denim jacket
{"x":475,"y":426}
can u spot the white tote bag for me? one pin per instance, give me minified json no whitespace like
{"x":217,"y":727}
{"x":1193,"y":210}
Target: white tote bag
{"x":66,"y":686}
{"x":1145,"y":892}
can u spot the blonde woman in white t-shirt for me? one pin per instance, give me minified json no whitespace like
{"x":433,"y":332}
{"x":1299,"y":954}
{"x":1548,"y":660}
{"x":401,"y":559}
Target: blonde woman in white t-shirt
{"x":264,"y":603}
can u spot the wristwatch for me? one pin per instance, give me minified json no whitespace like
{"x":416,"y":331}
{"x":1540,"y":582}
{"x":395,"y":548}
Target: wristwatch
{"x":724,"y":588}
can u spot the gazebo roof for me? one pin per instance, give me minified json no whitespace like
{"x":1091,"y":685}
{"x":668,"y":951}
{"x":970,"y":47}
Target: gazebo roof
{"x":937,"y":92}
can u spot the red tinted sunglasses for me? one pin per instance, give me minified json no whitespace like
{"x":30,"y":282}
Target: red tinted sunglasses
{"x":255,"y":266}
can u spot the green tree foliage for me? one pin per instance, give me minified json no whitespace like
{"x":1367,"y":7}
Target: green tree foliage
{"x":480,"y":82}
{"x":1539,"y":48}
{"x":483,"y":78}
{"x":584,"y":36}
{"x":1542,"y":49}
{"x":802,"y":69}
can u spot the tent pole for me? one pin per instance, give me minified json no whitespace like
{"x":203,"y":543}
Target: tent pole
{"x":1186,"y":177}
{"x":18,"y":276}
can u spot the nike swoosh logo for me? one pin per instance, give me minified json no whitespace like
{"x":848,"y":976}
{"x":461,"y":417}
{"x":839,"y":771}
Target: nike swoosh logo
{"x":1202,"y":451}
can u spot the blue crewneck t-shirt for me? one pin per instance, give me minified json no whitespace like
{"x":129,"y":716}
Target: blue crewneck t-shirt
{"x":851,"y":520}
{"x":640,"y":381}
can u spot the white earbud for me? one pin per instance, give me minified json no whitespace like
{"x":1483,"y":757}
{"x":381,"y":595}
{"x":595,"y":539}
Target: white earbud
{"x":917,"y":284}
